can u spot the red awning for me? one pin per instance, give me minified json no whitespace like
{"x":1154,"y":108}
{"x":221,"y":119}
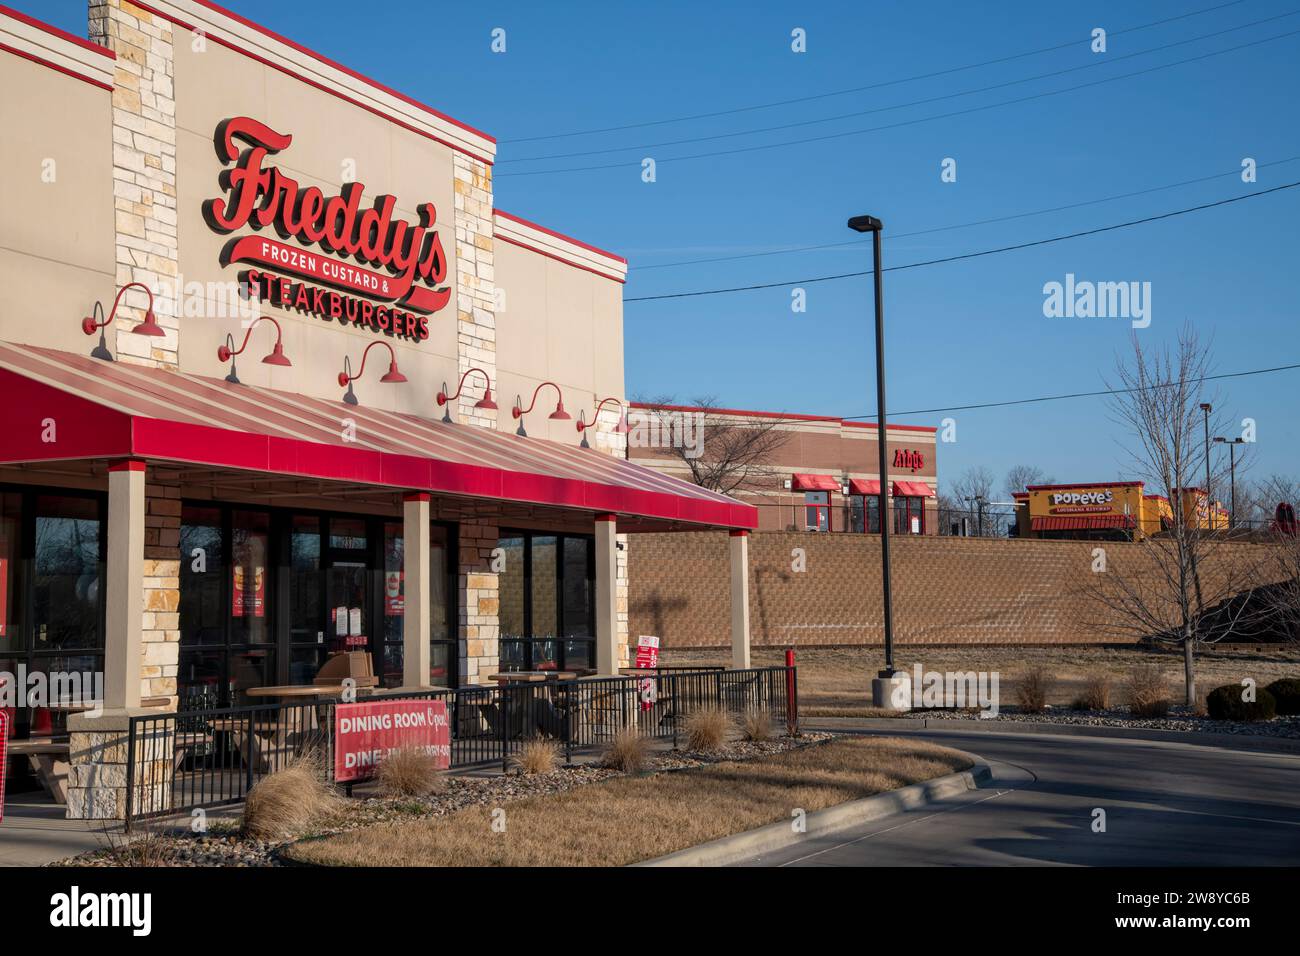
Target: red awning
{"x":815,"y":483}
{"x":1082,"y":522}
{"x":864,"y":486}
{"x":117,"y":410}
{"x":912,"y":489}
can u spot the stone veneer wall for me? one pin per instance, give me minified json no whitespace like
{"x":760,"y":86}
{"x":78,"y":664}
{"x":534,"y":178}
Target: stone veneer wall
{"x":161,"y":634}
{"x":480,"y":603}
{"x":144,"y":174}
{"x":476,"y":285}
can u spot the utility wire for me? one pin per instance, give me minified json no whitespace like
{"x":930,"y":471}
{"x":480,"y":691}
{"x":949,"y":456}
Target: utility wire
{"x":963,"y":225}
{"x":1101,"y":62}
{"x":912,"y":122}
{"x":970,"y":255}
{"x":862,"y":89}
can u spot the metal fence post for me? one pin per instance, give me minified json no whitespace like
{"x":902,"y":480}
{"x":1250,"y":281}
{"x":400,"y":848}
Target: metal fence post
{"x":507,"y":705}
{"x":248,"y":753}
{"x":130,"y":773}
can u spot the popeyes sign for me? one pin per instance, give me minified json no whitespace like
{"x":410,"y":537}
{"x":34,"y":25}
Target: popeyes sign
{"x":400,"y":271}
{"x":1087,"y":502}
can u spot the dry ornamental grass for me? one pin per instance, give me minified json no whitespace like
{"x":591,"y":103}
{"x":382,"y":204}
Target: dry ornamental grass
{"x":1148,"y":691}
{"x":627,"y":819}
{"x":706,"y":729}
{"x":1095,"y":695}
{"x":538,"y":756}
{"x":410,"y":772}
{"x":1032,"y":689}
{"x":757,"y":726}
{"x":627,"y":751}
{"x":291,"y":802}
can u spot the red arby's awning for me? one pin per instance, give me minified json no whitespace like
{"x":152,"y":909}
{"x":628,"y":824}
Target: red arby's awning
{"x":105,"y":409}
{"x":864,"y":486}
{"x":815,"y":483}
{"x":1082,"y":522}
{"x":912,"y":489}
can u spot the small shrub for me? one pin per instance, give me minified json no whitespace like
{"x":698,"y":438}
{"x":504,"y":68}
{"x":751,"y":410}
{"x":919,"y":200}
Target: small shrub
{"x":1096,"y":694}
{"x":1148,"y":691}
{"x":291,"y":801}
{"x":540,"y":755}
{"x":627,"y":751}
{"x":410,"y":772}
{"x":1032,"y":688}
{"x":707,"y":729}
{"x":1226,"y":703}
{"x":757,"y":726}
{"x":1286,"y":694}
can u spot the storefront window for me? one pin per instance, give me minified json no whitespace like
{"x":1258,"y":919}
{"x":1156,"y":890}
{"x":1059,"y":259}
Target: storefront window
{"x":307,"y":629}
{"x":51,"y":597}
{"x":909,"y":515}
{"x":857,"y":514}
{"x":546,"y":590}
{"x":817,"y":510}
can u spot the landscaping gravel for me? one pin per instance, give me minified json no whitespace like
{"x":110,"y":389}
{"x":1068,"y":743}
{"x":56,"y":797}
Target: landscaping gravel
{"x":222,"y":846}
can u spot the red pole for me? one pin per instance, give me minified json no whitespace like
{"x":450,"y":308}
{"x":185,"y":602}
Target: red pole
{"x":791,"y":696}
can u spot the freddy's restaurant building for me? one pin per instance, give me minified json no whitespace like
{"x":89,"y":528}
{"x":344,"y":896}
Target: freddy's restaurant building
{"x":198,"y":504}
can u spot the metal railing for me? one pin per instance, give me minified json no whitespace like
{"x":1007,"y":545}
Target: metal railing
{"x":181,"y":761}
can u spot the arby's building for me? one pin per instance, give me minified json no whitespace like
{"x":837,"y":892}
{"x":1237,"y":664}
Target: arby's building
{"x":263,"y":343}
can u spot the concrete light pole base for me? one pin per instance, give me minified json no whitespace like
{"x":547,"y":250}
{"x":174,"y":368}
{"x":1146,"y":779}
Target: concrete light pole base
{"x":892,"y":693}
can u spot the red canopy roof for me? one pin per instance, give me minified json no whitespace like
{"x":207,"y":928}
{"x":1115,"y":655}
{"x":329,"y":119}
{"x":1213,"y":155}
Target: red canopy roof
{"x":815,"y":483}
{"x":1082,"y":522}
{"x":913,"y":489}
{"x":864,"y":486}
{"x":117,"y":410}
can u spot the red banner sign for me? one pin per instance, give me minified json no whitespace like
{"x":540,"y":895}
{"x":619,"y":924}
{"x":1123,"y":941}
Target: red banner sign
{"x":366,"y":733}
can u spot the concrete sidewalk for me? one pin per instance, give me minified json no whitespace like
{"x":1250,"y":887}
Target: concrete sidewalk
{"x":34,"y":832}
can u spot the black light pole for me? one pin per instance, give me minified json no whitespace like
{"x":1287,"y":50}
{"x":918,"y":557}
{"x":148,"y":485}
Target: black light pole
{"x":1232,"y":477}
{"x":874,"y":226}
{"x":1206,"y":407}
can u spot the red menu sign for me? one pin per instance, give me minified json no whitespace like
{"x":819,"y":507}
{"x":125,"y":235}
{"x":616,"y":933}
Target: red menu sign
{"x":647,"y":651}
{"x":366,"y":733}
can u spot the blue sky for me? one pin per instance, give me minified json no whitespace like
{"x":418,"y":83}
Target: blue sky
{"x":958,"y":333}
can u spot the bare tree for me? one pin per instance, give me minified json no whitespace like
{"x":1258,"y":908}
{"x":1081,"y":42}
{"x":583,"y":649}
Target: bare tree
{"x":1021,"y":476}
{"x":721,"y":452}
{"x":972,"y":492}
{"x":1192,"y":578}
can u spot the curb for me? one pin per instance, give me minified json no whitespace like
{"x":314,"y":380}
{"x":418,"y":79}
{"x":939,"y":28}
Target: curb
{"x":1240,"y":742}
{"x":775,"y":836}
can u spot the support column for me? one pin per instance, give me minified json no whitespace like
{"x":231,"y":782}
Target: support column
{"x":606,"y":595}
{"x":740,"y":599}
{"x":416,"y":612}
{"x":124,"y":577}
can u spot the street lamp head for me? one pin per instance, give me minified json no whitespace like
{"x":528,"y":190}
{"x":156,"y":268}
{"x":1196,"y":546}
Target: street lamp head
{"x":1206,"y":407}
{"x":865,"y":224}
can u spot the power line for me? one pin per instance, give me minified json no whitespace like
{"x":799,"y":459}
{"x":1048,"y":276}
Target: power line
{"x":902,"y":123}
{"x":1033,"y":401}
{"x":963,"y":225}
{"x":970,"y":255}
{"x":862,"y":89}
{"x":1107,"y":61}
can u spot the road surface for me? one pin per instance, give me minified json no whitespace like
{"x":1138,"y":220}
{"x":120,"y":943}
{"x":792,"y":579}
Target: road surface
{"x":1166,"y":804}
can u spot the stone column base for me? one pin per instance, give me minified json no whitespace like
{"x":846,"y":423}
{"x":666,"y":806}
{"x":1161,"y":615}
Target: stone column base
{"x":98,"y":755}
{"x":892,"y":693}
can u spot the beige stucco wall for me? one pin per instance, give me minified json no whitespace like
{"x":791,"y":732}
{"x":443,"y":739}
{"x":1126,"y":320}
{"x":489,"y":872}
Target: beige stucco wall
{"x":56,"y":238}
{"x":561,"y":324}
{"x":328,"y":133}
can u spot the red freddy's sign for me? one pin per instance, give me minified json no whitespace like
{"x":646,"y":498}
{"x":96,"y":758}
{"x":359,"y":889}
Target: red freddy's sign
{"x":399,"y":262}
{"x":366,"y":733}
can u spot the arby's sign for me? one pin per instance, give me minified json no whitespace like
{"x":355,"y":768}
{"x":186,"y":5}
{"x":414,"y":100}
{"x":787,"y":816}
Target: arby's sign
{"x":378,"y":271}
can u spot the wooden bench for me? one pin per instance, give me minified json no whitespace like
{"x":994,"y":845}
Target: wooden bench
{"x":49,"y":761}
